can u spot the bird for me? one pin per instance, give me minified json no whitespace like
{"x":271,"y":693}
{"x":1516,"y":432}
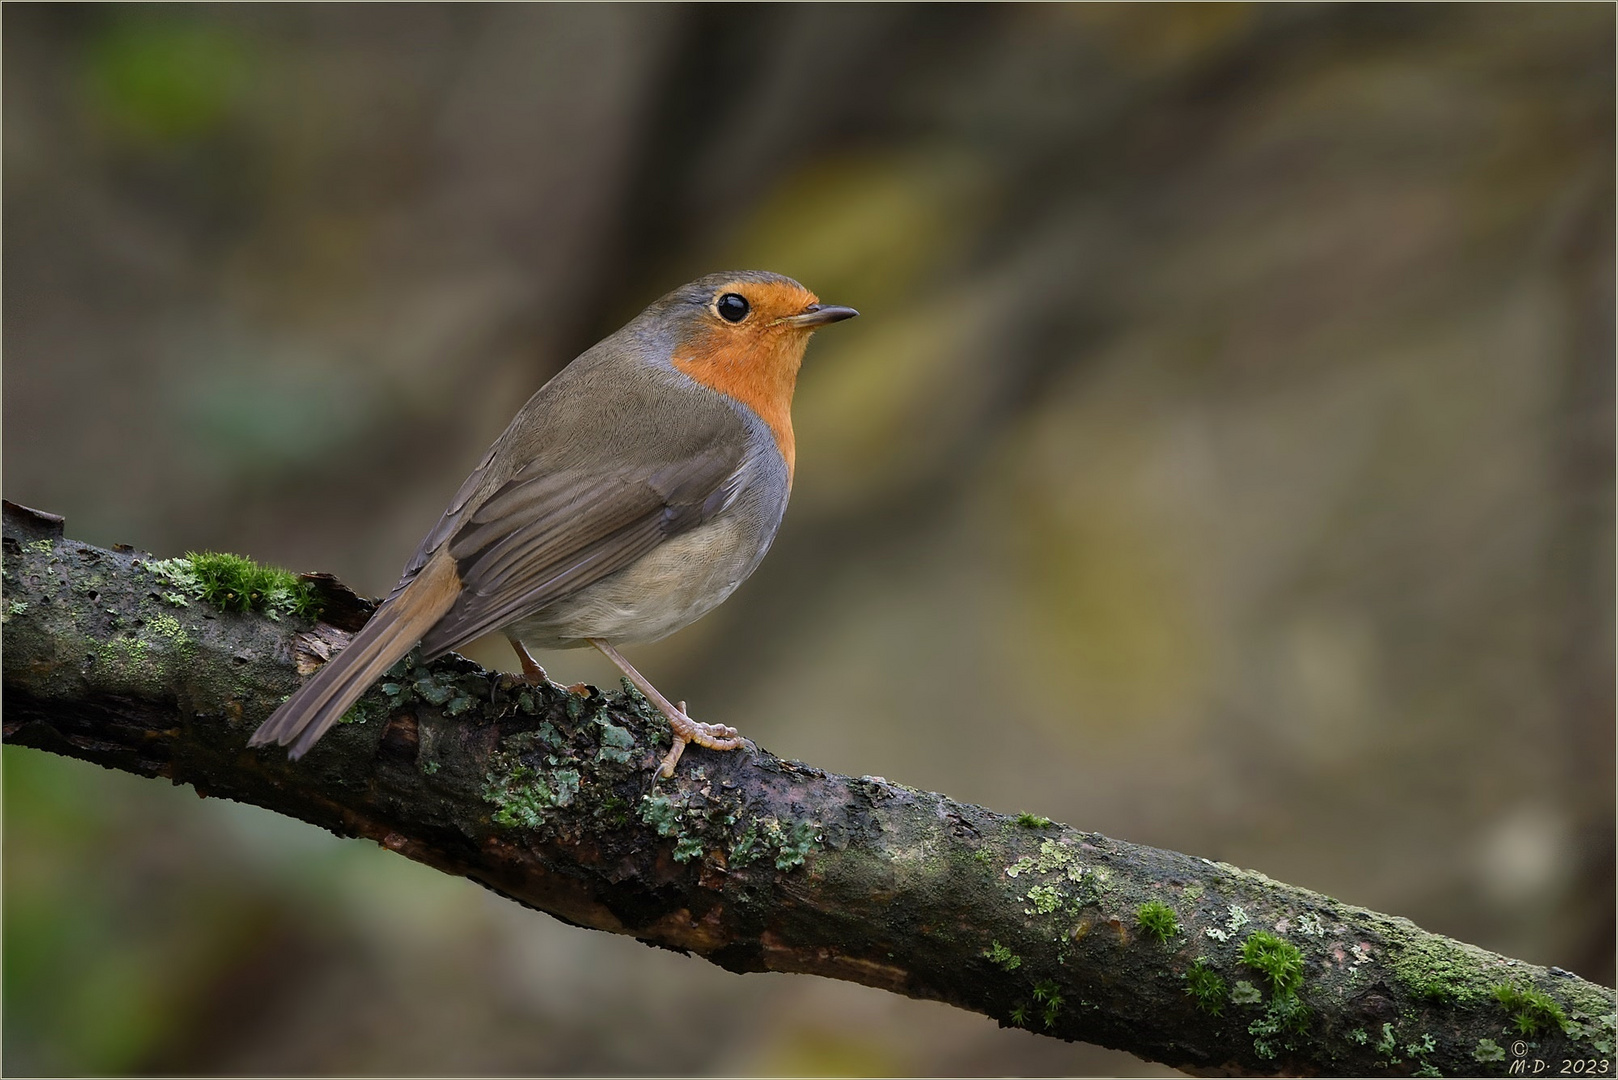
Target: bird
{"x":631,"y":494}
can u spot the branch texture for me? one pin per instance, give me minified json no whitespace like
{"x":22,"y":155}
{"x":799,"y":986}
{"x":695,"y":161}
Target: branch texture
{"x":756,"y":863}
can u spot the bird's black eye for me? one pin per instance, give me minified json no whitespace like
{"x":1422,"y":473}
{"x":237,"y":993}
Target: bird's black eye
{"x":732,"y":307}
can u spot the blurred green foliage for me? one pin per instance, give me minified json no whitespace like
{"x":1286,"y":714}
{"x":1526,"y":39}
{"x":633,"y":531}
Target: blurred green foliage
{"x":165,"y":75}
{"x":94,"y":981}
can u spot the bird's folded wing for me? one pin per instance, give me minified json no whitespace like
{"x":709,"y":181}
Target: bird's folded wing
{"x":546,"y":534}
{"x":447,"y":522}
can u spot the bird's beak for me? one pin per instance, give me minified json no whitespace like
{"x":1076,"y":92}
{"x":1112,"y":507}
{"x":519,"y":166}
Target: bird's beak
{"x":819,"y":315}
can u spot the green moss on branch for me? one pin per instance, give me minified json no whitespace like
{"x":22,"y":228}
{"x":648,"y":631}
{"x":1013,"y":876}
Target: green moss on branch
{"x":233,"y":583}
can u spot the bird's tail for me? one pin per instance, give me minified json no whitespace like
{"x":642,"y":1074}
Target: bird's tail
{"x":392,"y":632}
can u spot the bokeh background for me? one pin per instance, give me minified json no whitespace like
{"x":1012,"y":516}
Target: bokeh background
{"x":1223,"y":461}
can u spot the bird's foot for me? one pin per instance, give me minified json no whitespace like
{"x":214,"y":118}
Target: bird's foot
{"x":687,"y":731}
{"x":532,"y":673}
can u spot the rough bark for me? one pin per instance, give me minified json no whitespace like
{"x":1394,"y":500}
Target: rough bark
{"x":753,"y":862}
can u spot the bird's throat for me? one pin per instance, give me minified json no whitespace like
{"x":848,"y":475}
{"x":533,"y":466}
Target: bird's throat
{"x":761,"y":376}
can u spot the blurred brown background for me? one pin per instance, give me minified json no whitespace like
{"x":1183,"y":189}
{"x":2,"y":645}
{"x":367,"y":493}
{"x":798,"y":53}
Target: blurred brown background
{"x":1223,"y":460}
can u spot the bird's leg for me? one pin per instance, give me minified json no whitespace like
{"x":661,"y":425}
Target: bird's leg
{"x":531,"y":671}
{"x":686,"y":730}
{"x":535,"y":675}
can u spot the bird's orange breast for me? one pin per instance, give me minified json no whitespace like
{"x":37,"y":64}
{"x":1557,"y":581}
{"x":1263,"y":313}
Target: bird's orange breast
{"x":757,"y":367}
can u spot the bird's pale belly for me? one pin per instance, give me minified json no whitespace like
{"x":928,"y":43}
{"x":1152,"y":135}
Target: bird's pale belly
{"x":677,"y":583}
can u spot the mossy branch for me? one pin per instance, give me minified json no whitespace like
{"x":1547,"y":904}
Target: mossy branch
{"x":753,"y":862}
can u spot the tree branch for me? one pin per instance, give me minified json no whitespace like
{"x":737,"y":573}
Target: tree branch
{"x":756,"y":863}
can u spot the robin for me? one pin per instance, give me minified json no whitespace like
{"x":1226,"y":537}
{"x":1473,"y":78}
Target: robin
{"x":630,"y":496}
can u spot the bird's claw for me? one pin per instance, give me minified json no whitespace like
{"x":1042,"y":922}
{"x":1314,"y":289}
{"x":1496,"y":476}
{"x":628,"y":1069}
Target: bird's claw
{"x":687,"y":730}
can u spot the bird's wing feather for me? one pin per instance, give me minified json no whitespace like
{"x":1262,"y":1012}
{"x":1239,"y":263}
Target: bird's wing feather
{"x":547,"y":533}
{"x":447,"y":521}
